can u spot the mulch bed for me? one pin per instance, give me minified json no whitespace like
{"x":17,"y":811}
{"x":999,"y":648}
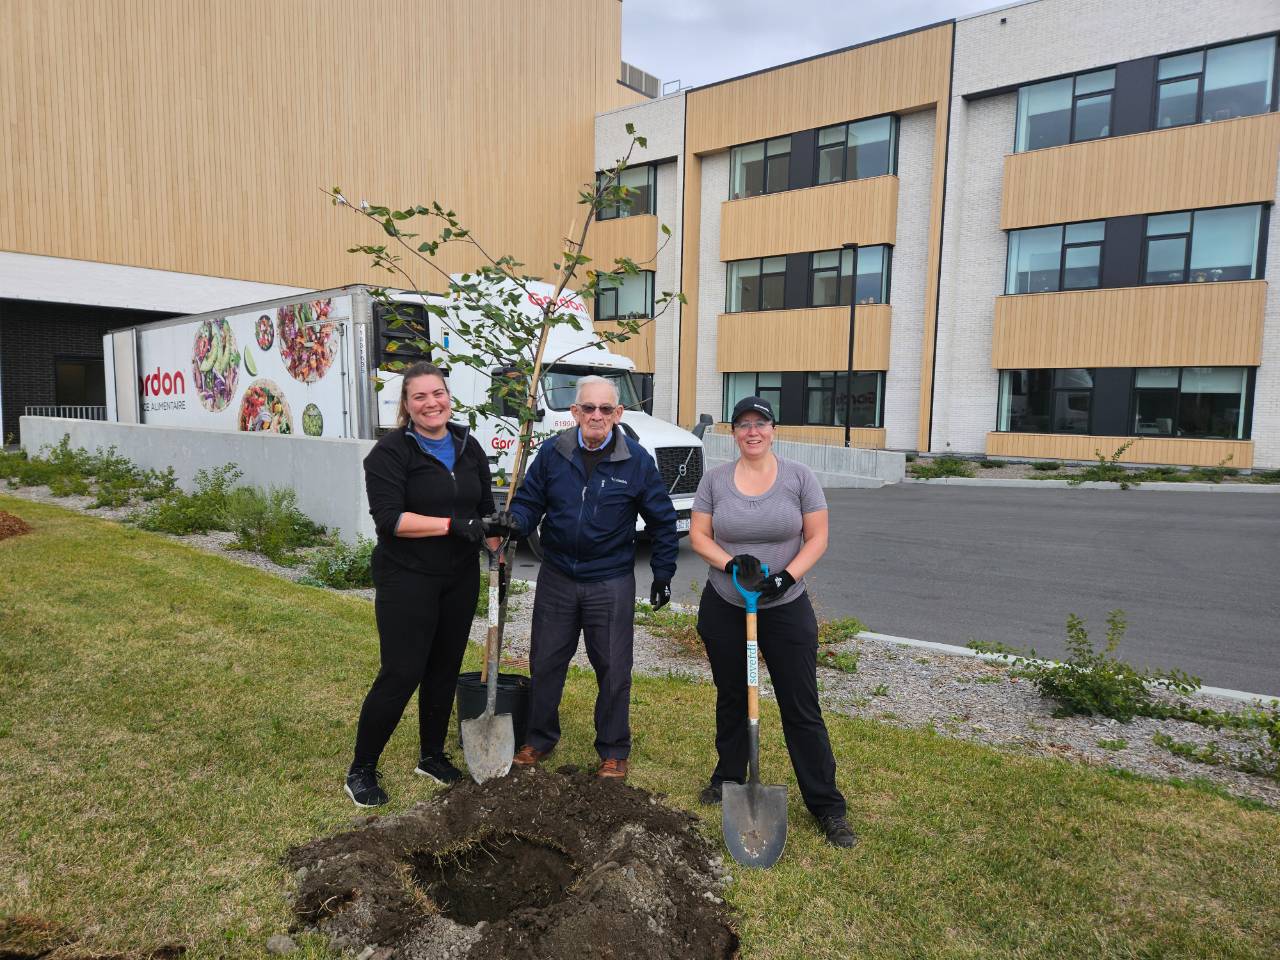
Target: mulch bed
{"x":531,"y":865}
{"x":11,"y":526}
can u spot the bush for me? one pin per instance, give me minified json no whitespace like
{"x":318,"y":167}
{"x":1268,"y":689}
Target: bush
{"x":838,"y":631}
{"x":1265,"y":476}
{"x":342,"y":566}
{"x":1107,"y":469}
{"x":1045,"y":466}
{"x":183,"y":513}
{"x":992,"y":464}
{"x":1091,"y":682}
{"x":838,"y":660}
{"x":942,"y":467}
{"x":269,"y":523}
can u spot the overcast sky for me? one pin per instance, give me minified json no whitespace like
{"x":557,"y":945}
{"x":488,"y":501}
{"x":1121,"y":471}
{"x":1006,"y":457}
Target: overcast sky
{"x":701,"y":41}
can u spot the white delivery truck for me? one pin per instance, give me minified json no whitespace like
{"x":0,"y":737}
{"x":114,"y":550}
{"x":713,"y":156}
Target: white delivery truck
{"x":310,"y":365}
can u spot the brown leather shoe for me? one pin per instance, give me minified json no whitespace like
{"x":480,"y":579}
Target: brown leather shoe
{"x":526,"y":756}
{"x":612,"y":769}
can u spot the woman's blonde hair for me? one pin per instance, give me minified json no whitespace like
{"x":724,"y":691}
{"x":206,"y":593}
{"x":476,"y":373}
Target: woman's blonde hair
{"x":420,"y":369}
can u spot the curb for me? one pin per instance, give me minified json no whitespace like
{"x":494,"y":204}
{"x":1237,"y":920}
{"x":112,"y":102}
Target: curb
{"x":952,"y":650}
{"x":1101,"y":485}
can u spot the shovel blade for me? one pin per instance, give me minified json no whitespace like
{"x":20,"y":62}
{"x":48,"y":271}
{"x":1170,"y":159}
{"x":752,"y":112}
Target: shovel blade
{"x":755,"y":823}
{"x":488,"y":745}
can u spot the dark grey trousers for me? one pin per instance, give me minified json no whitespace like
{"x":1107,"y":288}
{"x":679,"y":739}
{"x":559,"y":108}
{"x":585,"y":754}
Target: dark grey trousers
{"x":603,"y":612}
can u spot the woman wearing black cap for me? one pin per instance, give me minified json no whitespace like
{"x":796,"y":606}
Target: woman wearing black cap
{"x":763,"y":509}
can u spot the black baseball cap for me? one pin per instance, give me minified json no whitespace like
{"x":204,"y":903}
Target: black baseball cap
{"x":753,"y":405}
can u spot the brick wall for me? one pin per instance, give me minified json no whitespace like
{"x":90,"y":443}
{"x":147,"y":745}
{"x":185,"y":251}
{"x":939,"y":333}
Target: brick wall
{"x":33,"y":334}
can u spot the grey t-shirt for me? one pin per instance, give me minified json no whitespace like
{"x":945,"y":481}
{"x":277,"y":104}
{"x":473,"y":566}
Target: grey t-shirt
{"x":769,"y":527}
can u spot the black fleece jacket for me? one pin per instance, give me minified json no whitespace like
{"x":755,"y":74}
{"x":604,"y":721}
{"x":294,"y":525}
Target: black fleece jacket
{"x":399,"y":477}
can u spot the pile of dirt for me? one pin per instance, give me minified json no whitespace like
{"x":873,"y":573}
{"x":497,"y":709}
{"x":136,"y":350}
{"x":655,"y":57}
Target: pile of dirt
{"x":11,"y":526}
{"x":532,"y":865}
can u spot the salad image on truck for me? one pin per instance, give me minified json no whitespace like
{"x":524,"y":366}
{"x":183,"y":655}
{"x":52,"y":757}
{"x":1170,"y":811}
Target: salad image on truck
{"x":215,"y":363}
{"x":321,"y":355}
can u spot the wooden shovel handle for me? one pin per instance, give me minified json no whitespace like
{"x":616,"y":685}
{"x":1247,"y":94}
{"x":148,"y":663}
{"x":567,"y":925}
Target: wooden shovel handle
{"x":753,"y":670}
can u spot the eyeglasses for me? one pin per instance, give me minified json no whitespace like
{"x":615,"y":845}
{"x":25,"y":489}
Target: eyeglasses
{"x":606,"y":409}
{"x":746,"y":426}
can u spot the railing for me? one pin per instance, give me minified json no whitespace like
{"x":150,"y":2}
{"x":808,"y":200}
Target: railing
{"x":71,"y":412}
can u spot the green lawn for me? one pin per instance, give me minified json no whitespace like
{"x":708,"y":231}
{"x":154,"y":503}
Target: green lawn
{"x":171,"y":721}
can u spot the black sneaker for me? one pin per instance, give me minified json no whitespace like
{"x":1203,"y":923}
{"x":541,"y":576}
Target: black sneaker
{"x":363,"y":787}
{"x":439,"y":767}
{"x":838,"y":831}
{"x":712,"y":794}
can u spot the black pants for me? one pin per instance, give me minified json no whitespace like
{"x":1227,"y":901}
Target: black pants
{"x":603,"y":612}
{"x":423,"y":625}
{"x":788,"y":640}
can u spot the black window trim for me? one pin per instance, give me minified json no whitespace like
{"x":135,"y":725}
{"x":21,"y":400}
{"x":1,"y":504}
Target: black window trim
{"x":806,"y":390}
{"x":617,"y":207}
{"x":894,"y":128}
{"x":1063,"y":246}
{"x":724,"y":393}
{"x":603,"y":293}
{"x":1075,"y":104}
{"x":1259,"y":264}
{"x":758,"y":308}
{"x":1075,"y":98}
{"x":765,"y":142}
{"x":1054,"y":390}
{"x":886,"y":274}
{"x":1273,"y":107}
{"x":1250,"y":380}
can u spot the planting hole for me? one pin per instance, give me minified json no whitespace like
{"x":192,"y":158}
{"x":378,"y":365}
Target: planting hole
{"x":490,"y":878}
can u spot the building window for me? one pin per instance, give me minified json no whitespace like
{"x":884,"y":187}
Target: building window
{"x":831,"y":281}
{"x":853,"y":151}
{"x":1200,"y":402}
{"x":756,"y":284}
{"x":628,"y":299}
{"x":641,"y":184}
{"x":1047,"y":259}
{"x":1216,"y":84}
{"x":1068,"y":110}
{"x":79,"y":383}
{"x":763,"y":167}
{"x":1203,"y":246}
{"x":1045,"y":401}
{"x":829,"y":402}
{"x":766,"y":386}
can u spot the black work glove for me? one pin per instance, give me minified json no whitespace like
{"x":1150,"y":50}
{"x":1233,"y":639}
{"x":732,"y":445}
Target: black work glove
{"x":660,"y":594}
{"x":471,"y":530}
{"x":501,"y":524}
{"x":749,"y":572}
{"x":775,"y":585}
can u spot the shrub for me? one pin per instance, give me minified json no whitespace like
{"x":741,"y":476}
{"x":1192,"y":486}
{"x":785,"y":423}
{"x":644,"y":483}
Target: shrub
{"x":1107,"y":469}
{"x":839,"y":660}
{"x":1046,"y":465}
{"x":840,"y":630}
{"x":992,"y":464}
{"x":269,"y":523}
{"x":1265,"y":476}
{"x":1093,"y":681}
{"x":942,"y":467}
{"x":342,"y":566}
{"x":199,"y":512}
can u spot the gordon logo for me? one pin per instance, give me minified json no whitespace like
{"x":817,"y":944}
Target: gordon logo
{"x":164,"y":384}
{"x":538,"y":300}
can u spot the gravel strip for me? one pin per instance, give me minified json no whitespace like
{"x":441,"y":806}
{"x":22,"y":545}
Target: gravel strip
{"x":956,"y":696}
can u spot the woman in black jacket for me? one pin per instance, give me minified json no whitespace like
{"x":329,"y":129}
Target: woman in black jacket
{"x":428,"y":485}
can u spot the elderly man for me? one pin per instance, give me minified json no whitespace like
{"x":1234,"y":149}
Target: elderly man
{"x":585,"y":487}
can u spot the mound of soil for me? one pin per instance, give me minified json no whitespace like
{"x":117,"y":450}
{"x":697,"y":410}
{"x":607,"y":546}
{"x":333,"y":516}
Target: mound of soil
{"x":531,"y":865}
{"x":11,"y":526}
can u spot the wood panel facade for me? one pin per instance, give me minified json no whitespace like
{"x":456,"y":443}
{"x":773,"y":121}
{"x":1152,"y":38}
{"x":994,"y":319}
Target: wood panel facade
{"x":815,"y":218}
{"x":1202,"y":165}
{"x":816,"y":339}
{"x":1157,"y":450}
{"x":1192,"y":324}
{"x":639,"y":347}
{"x":198,"y":135}
{"x":635,"y":238}
{"x":869,"y":438}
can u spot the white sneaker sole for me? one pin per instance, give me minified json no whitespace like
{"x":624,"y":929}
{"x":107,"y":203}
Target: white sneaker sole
{"x":431,"y":776}
{"x":362,"y":806}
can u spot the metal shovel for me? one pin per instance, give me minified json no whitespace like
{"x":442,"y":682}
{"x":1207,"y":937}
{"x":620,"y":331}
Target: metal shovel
{"x":489,"y":740}
{"x":754,"y":816}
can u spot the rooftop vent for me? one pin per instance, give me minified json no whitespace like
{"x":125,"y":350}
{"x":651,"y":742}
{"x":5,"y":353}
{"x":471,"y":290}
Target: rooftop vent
{"x":639,"y":81}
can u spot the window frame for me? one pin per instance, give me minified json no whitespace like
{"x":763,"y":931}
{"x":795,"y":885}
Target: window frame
{"x":1063,"y":247}
{"x":611,"y":293}
{"x":1053,"y":391}
{"x":1258,"y":267}
{"x":1272,"y":107}
{"x":895,"y":124}
{"x":765,"y":161}
{"x":760,"y":273}
{"x":621,"y":211}
{"x":776,"y":401}
{"x":1075,"y":99}
{"x":807,"y":390}
{"x":1246,"y":404}
{"x":886,"y":276}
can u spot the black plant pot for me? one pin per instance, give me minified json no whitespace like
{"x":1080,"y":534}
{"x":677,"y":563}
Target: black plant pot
{"x":513,"y":698}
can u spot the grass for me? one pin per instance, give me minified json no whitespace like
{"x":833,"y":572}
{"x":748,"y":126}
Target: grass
{"x":174,"y":721}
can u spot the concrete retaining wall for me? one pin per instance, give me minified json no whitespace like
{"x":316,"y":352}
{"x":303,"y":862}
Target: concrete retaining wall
{"x":833,"y":466}
{"x":327,"y":475}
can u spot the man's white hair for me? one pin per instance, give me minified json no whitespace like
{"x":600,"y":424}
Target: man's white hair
{"x":588,"y":381}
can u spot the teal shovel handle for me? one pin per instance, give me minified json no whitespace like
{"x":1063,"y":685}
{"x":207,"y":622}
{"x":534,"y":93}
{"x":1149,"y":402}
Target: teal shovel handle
{"x":750,"y":596}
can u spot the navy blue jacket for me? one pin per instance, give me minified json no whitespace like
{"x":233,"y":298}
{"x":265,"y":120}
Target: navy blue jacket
{"x":589,"y":528}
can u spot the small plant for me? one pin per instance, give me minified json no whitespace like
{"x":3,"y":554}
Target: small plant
{"x":1215,"y":474}
{"x":1093,"y":681}
{"x":184,"y":513}
{"x":993,"y":646}
{"x":992,"y":464}
{"x":1046,"y":466}
{"x":881,"y":690}
{"x":1206,"y":753}
{"x":1119,"y":743}
{"x":839,"y":630}
{"x":675,"y":625}
{"x":269,"y":523}
{"x":342,"y":566}
{"x":942,"y":467}
{"x":1265,"y":476}
{"x":837,"y":660}
{"x":1107,"y":469}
